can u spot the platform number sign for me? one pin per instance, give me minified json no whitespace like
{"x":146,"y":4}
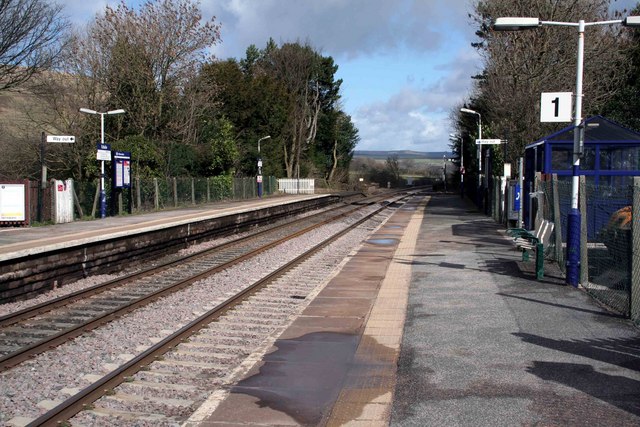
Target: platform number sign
{"x":555,"y":107}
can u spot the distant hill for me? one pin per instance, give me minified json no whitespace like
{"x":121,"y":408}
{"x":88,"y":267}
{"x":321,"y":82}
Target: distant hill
{"x":402,"y":154}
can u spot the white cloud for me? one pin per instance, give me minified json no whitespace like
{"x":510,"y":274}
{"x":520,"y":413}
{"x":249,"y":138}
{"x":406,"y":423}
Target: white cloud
{"x":416,"y":118}
{"x":346,"y":28}
{"x":388,"y":130}
{"x":81,"y":12}
{"x":395,"y":56}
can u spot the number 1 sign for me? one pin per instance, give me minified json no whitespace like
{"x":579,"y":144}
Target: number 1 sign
{"x":555,"y":107}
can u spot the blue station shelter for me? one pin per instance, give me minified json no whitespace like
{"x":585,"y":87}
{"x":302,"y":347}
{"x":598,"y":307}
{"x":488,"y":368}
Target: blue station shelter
{"x":611,"y":157}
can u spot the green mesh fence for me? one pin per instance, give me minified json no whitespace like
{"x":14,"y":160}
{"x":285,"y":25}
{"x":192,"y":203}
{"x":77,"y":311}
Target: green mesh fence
{"x":86,"y":193}
{"x":200,"y":191}
{"x":611,"y":262}
{"x":150,"y":194}
{"x":634,"y":296}
{"x":606,"y":235}
{"x":165,"y":193}
{"x":609,"y":245}
{"x":145,"y":195}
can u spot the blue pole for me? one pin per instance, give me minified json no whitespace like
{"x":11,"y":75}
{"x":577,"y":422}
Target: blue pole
{"x":573,"y":248}
{"x":259,"y":178}
{"x":573,"y":219}
{"x":103,"y":193}
{"x":103,"y":198}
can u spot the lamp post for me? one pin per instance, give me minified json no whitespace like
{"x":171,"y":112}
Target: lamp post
{"x":444,"y":171}
{"x":103,"y":194}
{"x":259,"y":178}
{"x":478,"y":149}
{"x":456,"y":137}
{"x":573,"y":219}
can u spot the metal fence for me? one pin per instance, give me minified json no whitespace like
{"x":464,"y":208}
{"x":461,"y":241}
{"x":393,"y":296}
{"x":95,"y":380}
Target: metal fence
{"x":297,"y":186}
{"x":151,"y":194}
{"x":610,"y":240}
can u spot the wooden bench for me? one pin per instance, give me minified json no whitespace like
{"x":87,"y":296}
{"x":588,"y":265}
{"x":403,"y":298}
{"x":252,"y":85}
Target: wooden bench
{"x":527,"y":241}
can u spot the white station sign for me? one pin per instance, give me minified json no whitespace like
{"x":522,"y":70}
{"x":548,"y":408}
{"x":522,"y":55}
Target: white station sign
{"x":104,"y":152}
{"x":555,"y":107}
{"x":488,"y":141}
{"x":66,"y":139}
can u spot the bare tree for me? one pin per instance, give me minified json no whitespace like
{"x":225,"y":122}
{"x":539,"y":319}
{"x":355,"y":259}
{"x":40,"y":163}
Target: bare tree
{"x":392,"y":165}
{"x":146,"y":61}
{"x":148,"y":58}
{"x":31,"y":37}
{"x":297,"y":67}
{"x":518,"y":66}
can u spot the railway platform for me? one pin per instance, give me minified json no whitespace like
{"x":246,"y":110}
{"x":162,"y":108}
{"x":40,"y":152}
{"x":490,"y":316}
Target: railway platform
{"x":36,"y":259}
{"x":16,"y":242}
{"x":436,"y":322}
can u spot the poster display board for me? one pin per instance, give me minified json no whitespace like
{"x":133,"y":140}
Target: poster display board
{"x":122,"y":169}
{"x":14,"y":203}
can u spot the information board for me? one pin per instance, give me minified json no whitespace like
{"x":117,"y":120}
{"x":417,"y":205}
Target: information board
{"x":13,"y":202}
{"x":104,"y":152}
{"x":122,"y":169}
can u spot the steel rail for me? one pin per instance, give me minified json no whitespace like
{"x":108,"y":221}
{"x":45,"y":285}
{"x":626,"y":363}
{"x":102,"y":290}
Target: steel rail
{"x":42,"y":308}
{"x":82,"y":400}
{"x":36,"y":310}
{"x":12,"y":359}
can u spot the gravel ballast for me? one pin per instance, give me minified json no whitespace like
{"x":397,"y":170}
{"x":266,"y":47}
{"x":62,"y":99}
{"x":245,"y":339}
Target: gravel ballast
{"x":32,"y":388}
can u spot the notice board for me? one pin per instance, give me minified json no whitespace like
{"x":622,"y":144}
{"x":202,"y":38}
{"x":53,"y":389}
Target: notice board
{"x":14,"y":203}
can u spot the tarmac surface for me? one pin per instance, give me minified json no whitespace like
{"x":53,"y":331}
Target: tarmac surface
{"x":485,"y":344}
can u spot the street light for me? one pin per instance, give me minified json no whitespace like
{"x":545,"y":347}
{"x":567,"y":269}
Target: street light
{"x":444,"y":171}
{"x":103,"y":194}
{"x":259,"y":178}
{"x":456,"y":137}
{"x":478,"y":150}
{"x":573,"y":219}
{"x":468,"y":111}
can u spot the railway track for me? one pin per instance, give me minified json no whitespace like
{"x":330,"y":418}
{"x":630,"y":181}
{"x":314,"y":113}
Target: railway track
{"x":164,"y":384}
{"x":32,"y":331}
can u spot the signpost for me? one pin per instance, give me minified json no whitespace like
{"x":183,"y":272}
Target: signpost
{"x":13,"y":202}
{"x":121,"y":173}
{"x":259,"y":177}
{"x":104,"y":155}
{"x":66,"y":139}
{"x":482,"y":142}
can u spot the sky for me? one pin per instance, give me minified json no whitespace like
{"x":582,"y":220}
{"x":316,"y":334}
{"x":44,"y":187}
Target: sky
{"x":406,"y":65}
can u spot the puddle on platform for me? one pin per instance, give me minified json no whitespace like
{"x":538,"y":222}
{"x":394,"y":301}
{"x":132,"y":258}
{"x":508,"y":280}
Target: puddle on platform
{"x":305,"y":376}
{"x":383,"y":242}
